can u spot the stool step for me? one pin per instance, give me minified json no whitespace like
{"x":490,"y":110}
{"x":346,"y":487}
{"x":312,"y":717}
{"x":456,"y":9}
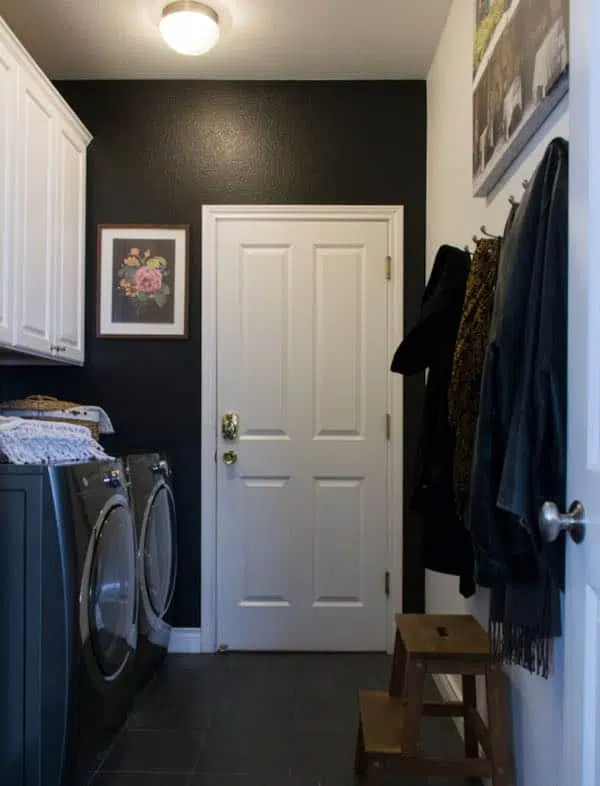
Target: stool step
{"x":382,"y":719}
{"x":443,"y":636}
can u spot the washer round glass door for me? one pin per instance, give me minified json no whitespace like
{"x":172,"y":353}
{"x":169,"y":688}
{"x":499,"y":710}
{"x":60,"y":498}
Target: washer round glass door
{"x":159,"y":549}
{"x":112,"y":591}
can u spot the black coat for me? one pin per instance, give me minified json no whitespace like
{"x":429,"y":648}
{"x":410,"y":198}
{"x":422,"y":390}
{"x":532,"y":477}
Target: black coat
{"x":520,"y":451}
{"x":519,"y":459}
{"x":430,"y":345}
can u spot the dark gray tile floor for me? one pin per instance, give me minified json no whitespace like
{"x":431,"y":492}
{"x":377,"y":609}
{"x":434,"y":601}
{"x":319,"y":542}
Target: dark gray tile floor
{"x":255,"y":720}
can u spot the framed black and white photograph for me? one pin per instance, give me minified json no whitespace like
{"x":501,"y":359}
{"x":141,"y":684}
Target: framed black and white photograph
{"x":520,"y":73}
{"x":142,"y":280}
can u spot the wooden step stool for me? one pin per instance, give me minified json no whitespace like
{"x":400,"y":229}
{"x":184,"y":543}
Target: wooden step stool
{"x":389,"y":726}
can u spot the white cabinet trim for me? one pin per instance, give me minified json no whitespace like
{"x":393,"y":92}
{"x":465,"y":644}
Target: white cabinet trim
{"x":25,"y":60}
{"x":7,"y":194}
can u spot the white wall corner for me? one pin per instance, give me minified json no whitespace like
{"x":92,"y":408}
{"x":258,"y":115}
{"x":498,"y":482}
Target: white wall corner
{"x":453,"y":217}
{"x":189,"y":641}
{"x":450,"y":690}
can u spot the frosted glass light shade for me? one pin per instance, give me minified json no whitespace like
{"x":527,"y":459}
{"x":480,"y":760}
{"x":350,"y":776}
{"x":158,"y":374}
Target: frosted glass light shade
{"x":189,"y":28}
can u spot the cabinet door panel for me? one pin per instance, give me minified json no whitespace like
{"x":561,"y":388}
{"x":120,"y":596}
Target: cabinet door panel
{"x":13,"y":526}
{"x":34,"y":217}
{"x":70,"y":246}
{"x":8,"y":100}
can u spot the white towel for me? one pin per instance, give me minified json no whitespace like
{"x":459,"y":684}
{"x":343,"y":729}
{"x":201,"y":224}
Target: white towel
{"x":44,"y":442}
{"x":7,"y":424}
{"x":83,"y":412}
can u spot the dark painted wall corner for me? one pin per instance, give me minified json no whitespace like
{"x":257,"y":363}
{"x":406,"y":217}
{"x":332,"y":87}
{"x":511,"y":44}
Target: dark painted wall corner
{"x":163,"y":149}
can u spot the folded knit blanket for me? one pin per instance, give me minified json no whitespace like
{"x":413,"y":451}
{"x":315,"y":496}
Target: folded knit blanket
{"x":44,"y":442}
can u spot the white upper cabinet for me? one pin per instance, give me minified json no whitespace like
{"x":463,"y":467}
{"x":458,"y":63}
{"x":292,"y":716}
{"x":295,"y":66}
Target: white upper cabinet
{"x":42,"y":166}
{"x":8,"y":100}
{"x":69,"y":281}
{"x":34,"y":218}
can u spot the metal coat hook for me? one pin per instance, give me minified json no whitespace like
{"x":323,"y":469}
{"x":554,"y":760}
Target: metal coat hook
{"x":484,"y":231}
{"x":512,"y":200}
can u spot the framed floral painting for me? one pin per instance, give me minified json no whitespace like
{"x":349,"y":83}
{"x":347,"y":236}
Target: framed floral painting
{"x":142,"y":281}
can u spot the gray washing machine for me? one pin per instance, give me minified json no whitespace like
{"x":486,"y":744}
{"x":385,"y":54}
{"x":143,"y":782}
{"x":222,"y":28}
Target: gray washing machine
{"x":153,"y":506}
{"x":69,"y":600}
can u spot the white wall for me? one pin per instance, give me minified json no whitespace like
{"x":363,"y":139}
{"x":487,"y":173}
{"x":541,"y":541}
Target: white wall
{"x":454,"y":216}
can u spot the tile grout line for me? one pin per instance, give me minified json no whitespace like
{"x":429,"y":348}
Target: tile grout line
{"x":147,"y":772}
{"x":104,"y":757}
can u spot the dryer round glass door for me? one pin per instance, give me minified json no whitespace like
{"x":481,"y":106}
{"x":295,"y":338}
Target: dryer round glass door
{"x":159,"y":549}
{"x":112,"y":591}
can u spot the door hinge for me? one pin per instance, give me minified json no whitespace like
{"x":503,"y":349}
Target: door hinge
{"x":388,"y":268}
{"x":388,"y":426}
{"x":387,"y":584}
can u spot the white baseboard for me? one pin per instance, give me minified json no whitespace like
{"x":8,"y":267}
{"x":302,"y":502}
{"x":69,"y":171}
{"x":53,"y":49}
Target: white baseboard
{"x":187,"y":640}
{"x":449,"y":686}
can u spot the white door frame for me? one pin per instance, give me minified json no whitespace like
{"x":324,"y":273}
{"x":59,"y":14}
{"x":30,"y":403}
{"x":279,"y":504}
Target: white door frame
{"x":393,"y":216}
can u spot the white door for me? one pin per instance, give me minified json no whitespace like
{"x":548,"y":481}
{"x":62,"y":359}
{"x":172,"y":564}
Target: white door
{"x":34,"y":226}
{"x":8,"y":101}
{"x":302,"y":357}
{"x":69,"y":267}
{"x":581,"y":760}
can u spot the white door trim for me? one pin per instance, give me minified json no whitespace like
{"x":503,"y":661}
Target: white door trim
{"x":211,"y":215}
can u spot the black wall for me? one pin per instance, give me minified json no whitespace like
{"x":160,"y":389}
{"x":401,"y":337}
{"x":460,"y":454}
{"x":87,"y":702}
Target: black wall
{"x":163,"y":149}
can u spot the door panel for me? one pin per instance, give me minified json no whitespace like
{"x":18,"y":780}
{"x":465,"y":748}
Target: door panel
{"x":267,"y":535}
{"x":338,"y":540}
{"x":8,"y":92}
{"x":581,"y":759}
{"x":302,"y":515}
{"x":16,"y":513}
{"x":339,"y":374}
{"x":36,"y":199}
{"x":264,"y":312}
{"x":70,"y":263}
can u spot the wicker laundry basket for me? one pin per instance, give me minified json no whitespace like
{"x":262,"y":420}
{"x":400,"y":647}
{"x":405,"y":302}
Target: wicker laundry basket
{"x":53,"y":409}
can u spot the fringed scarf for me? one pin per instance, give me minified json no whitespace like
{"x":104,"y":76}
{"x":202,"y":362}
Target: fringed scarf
{"x":524,"y":620}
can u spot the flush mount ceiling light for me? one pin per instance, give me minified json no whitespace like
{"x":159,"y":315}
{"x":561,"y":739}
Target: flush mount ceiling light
{"x":189,"y":28}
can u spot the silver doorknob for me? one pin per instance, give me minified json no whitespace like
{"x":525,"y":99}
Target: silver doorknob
{"x":552,"y":522}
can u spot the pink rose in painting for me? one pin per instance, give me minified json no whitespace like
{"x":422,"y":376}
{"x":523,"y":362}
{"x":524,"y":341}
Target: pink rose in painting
{"x":148,"y":279}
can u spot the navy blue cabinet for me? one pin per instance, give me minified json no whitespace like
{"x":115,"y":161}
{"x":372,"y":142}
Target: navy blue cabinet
{"x":14,"y":513}
{"x":34,"y":661}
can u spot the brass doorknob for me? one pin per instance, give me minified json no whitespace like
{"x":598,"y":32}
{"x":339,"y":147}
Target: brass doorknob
{"x":230,"y":457}
{"x":230,"y":425}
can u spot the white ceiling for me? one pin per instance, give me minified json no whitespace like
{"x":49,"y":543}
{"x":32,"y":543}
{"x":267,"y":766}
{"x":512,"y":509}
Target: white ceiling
{"x":260,"y":39}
